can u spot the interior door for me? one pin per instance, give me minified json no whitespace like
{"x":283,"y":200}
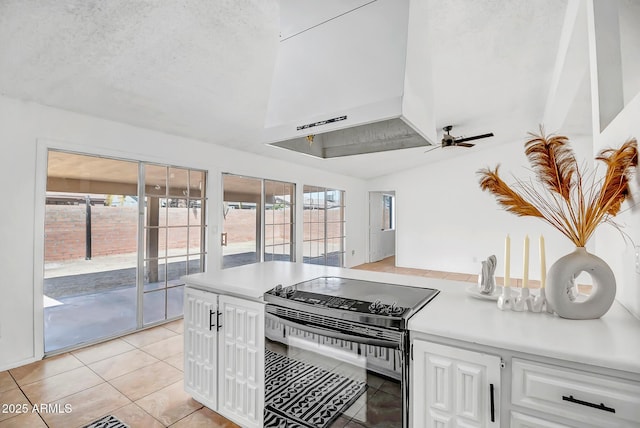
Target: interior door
{"x":382,"y":236}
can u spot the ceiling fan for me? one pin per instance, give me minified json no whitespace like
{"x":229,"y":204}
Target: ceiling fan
{"x":449,"y":140}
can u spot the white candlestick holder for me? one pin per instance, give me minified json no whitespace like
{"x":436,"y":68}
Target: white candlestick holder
{"x":523,"y":302}
{"x":539,"y":303}
{"x":505,"y":300}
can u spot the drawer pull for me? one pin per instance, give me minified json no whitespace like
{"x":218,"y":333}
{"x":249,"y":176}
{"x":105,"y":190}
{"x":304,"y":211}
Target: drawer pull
{"x":493,"y":405}
{"x":600,"y":406}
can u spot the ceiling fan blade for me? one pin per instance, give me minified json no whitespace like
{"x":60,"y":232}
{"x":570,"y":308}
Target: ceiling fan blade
{"x":432,"y":149}
{"x":458,"y":144}
{"x":475,"y":137}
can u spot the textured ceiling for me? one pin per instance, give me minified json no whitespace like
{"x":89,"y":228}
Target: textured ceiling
{"x":198,"y":68}
{"x":203,"y":69}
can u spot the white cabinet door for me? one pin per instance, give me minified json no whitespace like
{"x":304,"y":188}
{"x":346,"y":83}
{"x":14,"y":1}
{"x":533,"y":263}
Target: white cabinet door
{"x":241,"y":361}
{"x":200,"y":346}
{"x":452,"y":387}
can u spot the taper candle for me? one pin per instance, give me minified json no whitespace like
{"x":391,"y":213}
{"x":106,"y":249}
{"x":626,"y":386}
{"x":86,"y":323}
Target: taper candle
{"x":543,"y":264}
{"x":507,"y":261}
{"x":525,"y":263}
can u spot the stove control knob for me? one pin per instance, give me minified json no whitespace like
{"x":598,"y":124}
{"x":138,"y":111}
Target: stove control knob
{"x":394,"y":309}
{"x":278,"y":290}
{"x":376,"y":306}
{"x":288,"y":291}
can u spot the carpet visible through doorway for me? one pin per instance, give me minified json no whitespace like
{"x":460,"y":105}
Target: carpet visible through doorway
{"x":301,"y":395}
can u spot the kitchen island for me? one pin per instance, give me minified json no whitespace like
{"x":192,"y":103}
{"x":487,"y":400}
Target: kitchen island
{"x":470,"y":362}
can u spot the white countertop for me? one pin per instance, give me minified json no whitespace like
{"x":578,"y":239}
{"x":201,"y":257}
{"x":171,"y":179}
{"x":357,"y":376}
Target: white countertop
{"x":612,"y":341}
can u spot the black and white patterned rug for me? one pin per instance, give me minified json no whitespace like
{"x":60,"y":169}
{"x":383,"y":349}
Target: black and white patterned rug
{"x":108,"y":421}
{"x":301,"y":395}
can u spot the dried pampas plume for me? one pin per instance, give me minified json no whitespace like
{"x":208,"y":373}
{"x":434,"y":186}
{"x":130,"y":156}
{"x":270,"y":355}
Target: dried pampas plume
{"x":562,"y":199}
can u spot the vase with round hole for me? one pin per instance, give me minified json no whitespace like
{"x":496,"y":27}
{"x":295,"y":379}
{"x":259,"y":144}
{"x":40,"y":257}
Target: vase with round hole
{"x":562,"y":292}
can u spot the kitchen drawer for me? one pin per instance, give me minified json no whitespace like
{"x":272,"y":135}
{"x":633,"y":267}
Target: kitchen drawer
{"x":520,"y":420}
{"x":576,"y":395}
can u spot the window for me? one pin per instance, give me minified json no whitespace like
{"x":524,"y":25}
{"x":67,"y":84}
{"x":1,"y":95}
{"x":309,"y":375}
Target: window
{"x":388,"y":212}
{"x":324,"y":226}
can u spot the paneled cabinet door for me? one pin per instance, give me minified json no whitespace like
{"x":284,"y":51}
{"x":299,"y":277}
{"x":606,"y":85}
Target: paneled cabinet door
{"x":460,"y":388}
{"x":200,"y":346}
{"x":241,"y":361}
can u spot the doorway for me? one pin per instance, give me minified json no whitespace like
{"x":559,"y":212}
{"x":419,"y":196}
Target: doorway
{"x":111,"y":263}
{"x":382,"y":225}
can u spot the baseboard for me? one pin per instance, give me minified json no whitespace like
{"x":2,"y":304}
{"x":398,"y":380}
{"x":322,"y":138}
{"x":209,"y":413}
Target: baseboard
{"x":18,"y":364}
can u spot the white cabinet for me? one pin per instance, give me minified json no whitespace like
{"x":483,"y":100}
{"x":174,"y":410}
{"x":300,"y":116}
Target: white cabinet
{"x":519,"y":420}
{"x":241,"y":360}
{"x":453,"y":387}
{"x":585,"y":399}
{"x":224,"y":355}
{"x":200,"y":346}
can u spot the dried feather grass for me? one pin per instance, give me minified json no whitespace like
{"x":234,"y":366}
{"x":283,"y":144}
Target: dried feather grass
{"x":562,"y":198}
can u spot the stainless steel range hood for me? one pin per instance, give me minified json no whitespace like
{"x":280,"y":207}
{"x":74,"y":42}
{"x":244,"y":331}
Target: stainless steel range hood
{"x":351,"y":77}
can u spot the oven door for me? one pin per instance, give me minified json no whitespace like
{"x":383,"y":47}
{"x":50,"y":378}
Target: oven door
{"x":321,"y":377}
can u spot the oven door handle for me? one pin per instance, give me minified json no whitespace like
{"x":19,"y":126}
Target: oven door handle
{"x":337,"y":335}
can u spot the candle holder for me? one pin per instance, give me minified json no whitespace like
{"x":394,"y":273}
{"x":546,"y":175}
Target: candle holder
{"x":539,"y":302}
{"x":505,"y":300}
{"x":524,"y":301}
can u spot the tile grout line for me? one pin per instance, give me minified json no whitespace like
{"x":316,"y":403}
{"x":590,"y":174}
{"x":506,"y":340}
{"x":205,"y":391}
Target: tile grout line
{"x":104,"y":381}
{"x":135,"y":402}
{"x":102,"y":359}
{"x":28,"y":399}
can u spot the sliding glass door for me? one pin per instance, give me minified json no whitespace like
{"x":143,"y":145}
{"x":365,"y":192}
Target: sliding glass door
{"x":113,"y":264}
{"x":279,"y":210}
{"x":90,"y":266}
{"x":240,"y":238}
{"x":324,"y":226}
{"x":173,"y":237}
{"x":258,"y":220}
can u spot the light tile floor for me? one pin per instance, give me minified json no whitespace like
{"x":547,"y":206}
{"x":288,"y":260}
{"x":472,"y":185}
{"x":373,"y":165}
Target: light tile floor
{"x":136,"y":378}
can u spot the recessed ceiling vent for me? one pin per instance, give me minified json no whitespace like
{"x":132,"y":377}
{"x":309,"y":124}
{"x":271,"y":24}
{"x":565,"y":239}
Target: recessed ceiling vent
{"x":392,"y":134}
{"x":351,"y":77}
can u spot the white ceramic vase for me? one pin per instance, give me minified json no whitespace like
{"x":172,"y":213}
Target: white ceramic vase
{"x":561,"y":288}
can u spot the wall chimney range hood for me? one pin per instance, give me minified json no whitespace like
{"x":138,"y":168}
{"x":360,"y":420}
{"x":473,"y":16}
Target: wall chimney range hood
{"x":351,"y":77}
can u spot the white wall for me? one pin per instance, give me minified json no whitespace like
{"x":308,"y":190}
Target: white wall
{"x":445,"y":222}
{"x":27,"y":129}
{"x":610,"y":245}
